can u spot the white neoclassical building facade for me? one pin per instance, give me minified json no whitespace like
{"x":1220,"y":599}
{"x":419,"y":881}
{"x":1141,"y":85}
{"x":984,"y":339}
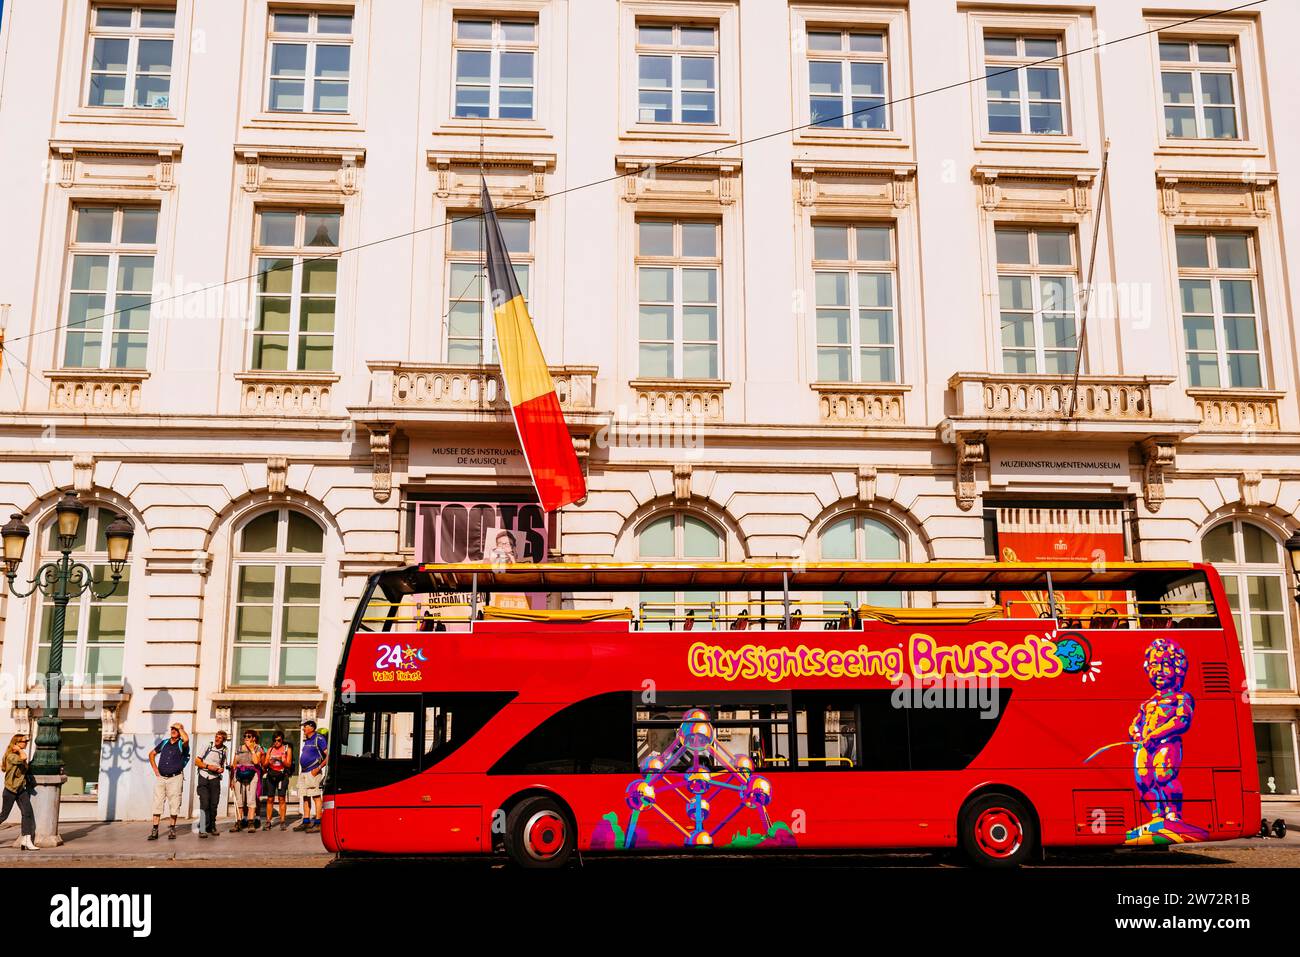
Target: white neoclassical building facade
{"x":808,"y":275}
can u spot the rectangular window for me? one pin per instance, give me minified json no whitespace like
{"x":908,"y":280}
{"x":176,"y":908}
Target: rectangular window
{"x":309,"y":62}
{"x":1024,"y":94}
{"x":131,"y":57}
{"x":847,"y":79}
{"x":1198,"y":81}
{"x":1036,"y":299}
{"x":470,"y":338}
{"x":496,"y":68}
{"x":677,"y":73}
{"x":679,"y":268}
{"x":110,"y":286}
{"x":854,"y":272}
{"x":1216,"y":286}
{"x":1275,"y":752}
{"x":297,"y":267}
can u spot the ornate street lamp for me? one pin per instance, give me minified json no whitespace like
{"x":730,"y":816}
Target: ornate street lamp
{"x":1293,"y":553}
{"x":61,"y":581}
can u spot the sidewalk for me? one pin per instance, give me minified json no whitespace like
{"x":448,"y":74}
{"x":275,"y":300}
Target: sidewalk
{"x":100,"y":843}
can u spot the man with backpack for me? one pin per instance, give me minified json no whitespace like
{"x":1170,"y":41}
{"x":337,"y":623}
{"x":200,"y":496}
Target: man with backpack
{"x":212,"y":768}
{"x":244,"y":771}
{"x":312,"y":757}
{"x":168,"y":760}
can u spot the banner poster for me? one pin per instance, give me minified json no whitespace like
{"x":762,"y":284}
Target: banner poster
{"x":1045,"y":534}
{"x":498,"y":532}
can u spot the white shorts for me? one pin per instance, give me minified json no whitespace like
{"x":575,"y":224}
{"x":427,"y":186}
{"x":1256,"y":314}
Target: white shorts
{"x":311,"y":785}
{"x":167,"y":794}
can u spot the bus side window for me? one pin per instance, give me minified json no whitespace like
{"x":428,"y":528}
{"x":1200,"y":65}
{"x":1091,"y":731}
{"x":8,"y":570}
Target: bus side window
{"x":857,"y":730}
{"x":592,"y":736}
{"x":452,"y":718}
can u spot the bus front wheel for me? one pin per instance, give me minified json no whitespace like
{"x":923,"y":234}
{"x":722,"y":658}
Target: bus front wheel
{"x":539,"y":834}
{"x":998,"y":830}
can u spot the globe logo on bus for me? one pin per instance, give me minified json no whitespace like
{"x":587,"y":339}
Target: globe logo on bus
{"x":1073,"y":654}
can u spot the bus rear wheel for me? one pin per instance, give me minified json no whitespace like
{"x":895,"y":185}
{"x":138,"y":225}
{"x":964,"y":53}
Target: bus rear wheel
{"x":998,"y":830}
{"x":539,"y":834}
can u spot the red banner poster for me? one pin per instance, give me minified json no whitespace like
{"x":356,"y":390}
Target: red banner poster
{"x":1062,"y":535}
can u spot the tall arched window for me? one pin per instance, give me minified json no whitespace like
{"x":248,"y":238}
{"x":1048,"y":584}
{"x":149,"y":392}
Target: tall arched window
{"x":679,"y":536}
{"x":1251,"y":563}
{"x":279,"y":557}
{"x":94,"y":632}
{"x":861,"y":538}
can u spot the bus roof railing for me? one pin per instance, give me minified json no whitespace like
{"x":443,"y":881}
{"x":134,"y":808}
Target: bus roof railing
{"x":478,"y":577}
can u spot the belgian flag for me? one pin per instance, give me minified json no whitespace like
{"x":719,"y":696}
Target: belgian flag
{"x":547,"y":446}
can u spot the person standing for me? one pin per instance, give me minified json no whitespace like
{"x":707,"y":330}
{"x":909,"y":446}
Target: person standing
{"x":312,"y":758}
{"x":18,"y":789}
{"x":212,"y":768}
{"x":168,"y":759}
{"x":275,"y":780}
{"x":245,"y":770}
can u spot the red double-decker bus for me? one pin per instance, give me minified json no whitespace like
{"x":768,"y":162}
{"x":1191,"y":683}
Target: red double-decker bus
{"x":758,"y":707}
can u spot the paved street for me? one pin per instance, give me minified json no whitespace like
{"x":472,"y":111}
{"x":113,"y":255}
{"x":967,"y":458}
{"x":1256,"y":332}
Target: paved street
{"x":125,"y":844}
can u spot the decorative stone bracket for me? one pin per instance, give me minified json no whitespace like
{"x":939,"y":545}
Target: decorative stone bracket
{"x":681,"y":484}
{"x":83,"y":472}
{"x":1157,"y":455}
{"x":1248,"y":485}
{"x":866,"y":484}
{"x":381,"y":451}
{"x":972,"y":451}
{"x":277,"y":474}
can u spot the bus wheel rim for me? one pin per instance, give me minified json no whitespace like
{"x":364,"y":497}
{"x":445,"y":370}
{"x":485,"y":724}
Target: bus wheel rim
{"x":998,"y":832}
{"x":544,"y":835}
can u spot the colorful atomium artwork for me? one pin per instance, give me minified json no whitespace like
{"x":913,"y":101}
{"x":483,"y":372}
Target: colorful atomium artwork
{"x":699,"y":788}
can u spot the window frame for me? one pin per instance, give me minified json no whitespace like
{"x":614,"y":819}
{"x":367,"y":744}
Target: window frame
{"x":461,"y":257}
{"x":677,"y":262}
{"x":854,"y":267}
{"x":1022,"y":62}
{"x":311,"y":39}
{"x":280,"y":560}
{"x":494,"y":47}
{"x":98,"y":516}
{"x":133,"y":35}
{"x":1295,"y":754}
{"x":860,"y":517}
{"x":680,"y":597}
{"x":1195,"y":67}
{"x":1216,"y":275}
{"x":845,"y":56}
{"x":1036,"y":272}
{"x":300,"y":253}
{"x":676,"y":51}
{"x":1240,"y":570}
{"x":115,"y":250}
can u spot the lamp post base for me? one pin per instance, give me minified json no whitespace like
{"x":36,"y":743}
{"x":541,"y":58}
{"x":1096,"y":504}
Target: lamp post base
{"x":45,"y":804}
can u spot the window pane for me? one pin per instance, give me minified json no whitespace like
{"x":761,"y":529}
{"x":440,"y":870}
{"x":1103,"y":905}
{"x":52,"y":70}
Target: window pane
{"x":333,"y":62}
{"x":1196,"y":296}
{"x":1055,"y":247}
{"x":1244,"y":371}
{"x":1002,"y":83}
{"x":1193,"y":250}
{"x":517,"y":31}
{"x":1014,"y":292}
{"x":837,"y":541}
{"x":831,"y":243}
{"x":699,"y":285}
{"x":256,"y":584}
{"x":1232,"y":251}
{"x":868,"y":79}
{"x":287,"y":95}
{"x":655,"y":72}
{"x":655,"y":361}
{"x":699,"y":239}
{"x":823,"y":40}
{"x":826,"y":111}
{"x":875,"y":244}
{"x":1217,"y":545}
{"x":474,"y":29}
{"x":656,"y":238}
{"x":1174,"y":52}
{"x":107,"y":90}
{"x":656,"y":285}
{"x":1199,"y":332}
{"x":698,"y":108}
{"x":110,"y":55}
{"x":1220,"y":122}
{"x":112,"y":16}
{"x":1043,"y":83}
{"x":321,"y":229}
{"x":656,"y":322}
{"x":655,"y":35}
{"x":290,"y":22}
{"x":139,"y":225}
{"x":297,"y":665}
{"x":833,"y":327}
{"x":305,"y":535}
{"x":251,"y":666}
{"x":832,"y":288}
{"x":1238,"y":298}
{"x":516,"y":68}
{"x":699,"y":324}
{"x":1040,"y":47}
{"x":260,"y":534}
{"x":697,"y":36}
{"x":1214,"y":52}
{"x":94,"y":224}
{"x":337,"y":25}
{"x":1046,"y":118}
{"x":656,"y":539}
{"x":1275,"y":750}
{"x":699,"y":540}
{"x":289,"y":59}
{"x":1012,"y":245}
{"x":1259,"y":548}
{"x":1216,"y":89}
{"x":867,"y":42}
{"x":700,"y":361}
{"x":1000,"y":46}
{"x":875,"y":289}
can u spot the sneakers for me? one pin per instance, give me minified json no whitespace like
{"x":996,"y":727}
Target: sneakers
{"x":153,"y":835}
{"x":239,"y":826}
{"x":257,"y":823}
{"x":313,"y":827}
{"x":171,"y":833}
{"x":302,"y":825}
